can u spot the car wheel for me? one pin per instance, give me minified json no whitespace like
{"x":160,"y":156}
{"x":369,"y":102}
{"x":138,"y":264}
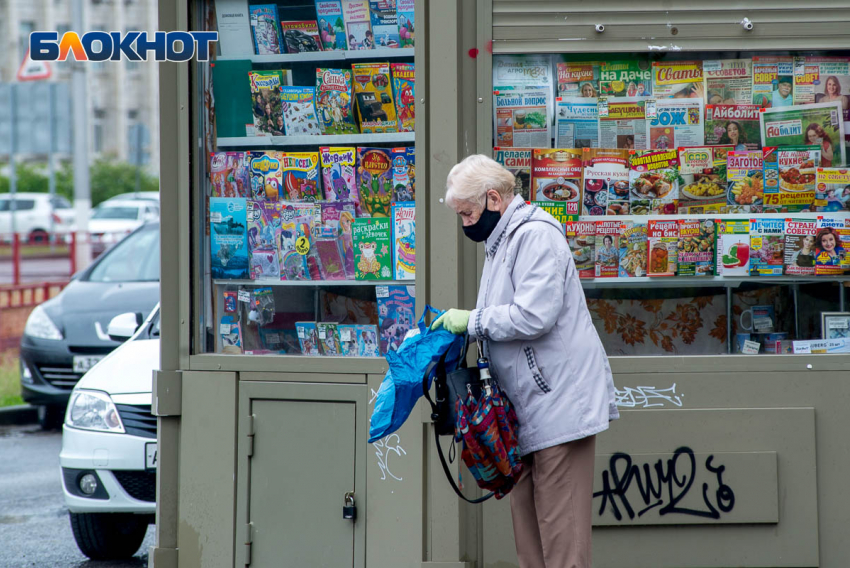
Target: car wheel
{"x":38,"y":236}
{"x":108,"y":536}
{"x":51,"y":417}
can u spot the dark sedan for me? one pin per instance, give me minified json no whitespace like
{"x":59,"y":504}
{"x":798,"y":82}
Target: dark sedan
{"x":66,"y":335}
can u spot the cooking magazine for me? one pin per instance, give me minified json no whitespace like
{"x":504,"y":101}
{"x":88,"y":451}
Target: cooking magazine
{"x":653,"y":182}
{"x":606,"y":182}
{"x":578,"y":79}
{"x":556,"y":176}
{"x":663,"y":246}
{"x":607,"y":249}
{"x":790,"y":175}
{"x":632,"y":250}
{"x":696,"y":247}
{"x":832,"y":189}
{"x":745,"y":182}
{"x":581,"y":237}
{"x":702,"y":173}
{"x":732,"y":247}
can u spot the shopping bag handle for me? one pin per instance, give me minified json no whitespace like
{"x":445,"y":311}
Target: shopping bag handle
{"x":428,"y":309}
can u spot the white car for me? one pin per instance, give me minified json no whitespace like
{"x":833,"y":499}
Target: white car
{"x":112,"y":220}
{"x":33,"y":215}
{"x":132,"y":196}
{"x":109,"y":452}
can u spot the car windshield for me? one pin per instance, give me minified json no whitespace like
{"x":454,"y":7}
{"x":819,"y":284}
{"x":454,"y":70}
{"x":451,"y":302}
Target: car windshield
{"x":131,"y":213}
{"x":135,"y":259}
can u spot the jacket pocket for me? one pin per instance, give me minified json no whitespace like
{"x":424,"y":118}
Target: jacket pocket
{"x":536,"y":373}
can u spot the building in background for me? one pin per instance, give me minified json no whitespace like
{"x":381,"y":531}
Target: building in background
{"x":123,"y":96}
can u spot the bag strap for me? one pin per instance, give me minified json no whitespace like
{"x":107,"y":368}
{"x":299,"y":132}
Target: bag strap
{"x":450,"y":477}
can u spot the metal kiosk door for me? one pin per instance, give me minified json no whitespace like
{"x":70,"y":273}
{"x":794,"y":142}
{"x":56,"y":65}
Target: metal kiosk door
{"x":298,"y":457}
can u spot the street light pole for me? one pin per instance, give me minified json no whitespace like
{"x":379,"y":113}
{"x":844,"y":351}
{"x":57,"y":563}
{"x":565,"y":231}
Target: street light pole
{"x":82,"y":191}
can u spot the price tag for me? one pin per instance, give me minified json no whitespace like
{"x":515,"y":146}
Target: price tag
{"x":302,"y":245}
{"x":763,"y":324}
{"x":244,"y":296}
{"x":215,"y":217}
{"x":345,"y":334}
{"x":382,"y":291}
{"x":602,"y":106}
{"x":302,"y":333}
{"x":650,"y":109}
{"x":224,"y":329}
{"x":802,"y":347}
{"x":323,"y":334}
{"x":838,"y":323}
{"x":249,"y":130}
{"x":751,"y":347}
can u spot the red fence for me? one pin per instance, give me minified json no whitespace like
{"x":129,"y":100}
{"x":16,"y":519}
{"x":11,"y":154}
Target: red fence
{"x":16,"y":303}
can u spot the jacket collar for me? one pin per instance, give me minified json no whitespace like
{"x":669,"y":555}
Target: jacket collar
{"x":506,"y":222}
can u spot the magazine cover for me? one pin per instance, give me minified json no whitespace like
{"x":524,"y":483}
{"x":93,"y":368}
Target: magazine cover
{"x":823,"y":80}
{"x":581,"y":237}
{"x":404,"y":93}
{"x":224,"y":168}
{"x":242,"y":173}
{"x":558,"y":210}
{"x":677,"y":123}
{"x":231,"y":335}
{"x":373,"y":257}
{"x":522,"y":119}
{"x":663,"y":247}
{"x":346,"y":240}
{"x":773,"y":81}
{"x":228,"y":238}
{"x":328,"y":333}
{"x":606,"y":182}
{"x":404,"y":173}
{"x":735,"y":125}
{"x":373,"y":93}
{"x":262,"y":242}
{"x":702,"y":172}
{"x":578,"y":79}
{"x":301,"y":176}
{"x":293,"y":264}
{"x":622,"y":123}
{"x":576,"y":123}
{"x":518,"y":162}
{"x":374,"y":181}
{"x":265,"y":99}
{"x":333,"y":101}
{"x":406,"y":19}
{"x":266,"y":175}
{"x":677,"y":80}
{"x":625,"y":79}
{"x":632,"y":250}
{"x":332,"y":214}
{"x":301,"y":37}
{"x":367,"y":341}
{"x":819,"y":124}
{"x":790,"y":175}
{"x":358,"y":27}
{"x":800,"y":240}
{"x":832,"y":189}
{"x":732,"y":248}
{"x":308,"y":222}
{"x":299,"y":110}
{"x":832,"y":243}
{"x":347,"y":339}
{"x":767,"y":247}
{"x":696,"y":247}
{"x":607,"y":249}
{"x":728,"y":81}
{"x":338,"y":179}
{"x":745,"y":183}
{"x":308,"y":338}
{"x":266,"y":29}
{"x":331,"y":25}
{"x":331,"y":259}
{"x":395,"y":314}
{"x":384,"y":21}
{"x":556,"y":176}
{"x":653,"y":182}
{"x":523,"y":73}
{"x":404,"y":241}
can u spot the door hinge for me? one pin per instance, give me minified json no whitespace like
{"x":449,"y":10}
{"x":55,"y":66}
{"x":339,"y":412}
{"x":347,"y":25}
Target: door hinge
{"x":251,"y":432}
{"x":249,"y":539}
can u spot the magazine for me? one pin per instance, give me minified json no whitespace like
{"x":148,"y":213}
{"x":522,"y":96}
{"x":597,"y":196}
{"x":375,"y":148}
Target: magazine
{"x":266,"y":175}
{"x":745,"y":183}
{"x":558,"y":210}
{"x":576,"y":123}
{"x":230,"y":332}
{"x":790,"y":174}
{"x":677,"y":123}
{"x":299,"y":110}
{"x":832,"y":190}
{"x":224,"y":169}
{"x":308,"y":223}
{"x":518,"y":162}
{"x":622,"y":123}
{"x":338,"y":180}
{"x":262,"y":240}
{"x":800,"y":239}
{"x":653,"y":182}
{"x":773,"y":81}
{"x":404,"y":173}
{"x":333,"y":101}
{"x":832,"y":244}
{"x":663,"y":247}
{"x":331,"y":25}
{"x":823,"y":80}
{"x":346,"y":240}
{"x":301,"y":179}
{"x":767,"y":247}
{"x":374,"y":96}
{"x":556,"y":176}
{"x":396,"y":305}
{"x":228,"y":238}
{"x":702,"y":173}
{"x":333,"y":214}
{"x":732,"y":247}
{"x":372,"y":249}
{"x":265,"y":28}
{"x":301,"y":37}
{"x":404,"y":241}
{"x":347,"y":339}
{"x":728,"y":81}
{"x":581,"y":237}
{"x":384,"y":23}
{"x":525,"y":72}
{"x":374,"y":181}
{"x":358,"y":27}
{"x":367,"y":341}
{"x":735,"y":125}
{"x":607,"y":263}
{"x":308,"y":338}
{"x":606,"y":182}
{"x":677,"y":80}
{"x":522,"y":119}
{"x":404,"y":93}
{"x":625,"y":79}
{"x":328,"y":333}
{"x":696,"y":247}
{"x":293,"y":265}
{"x":406,"y":22}
{"x":265,"y":102}
{"x":331,"y":259}
{"x":578,"y":79}
{"x":819,"y":123}
{"x":632,"y":250}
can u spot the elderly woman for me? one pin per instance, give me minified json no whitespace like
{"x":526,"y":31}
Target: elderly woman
{"x":543,"y":349}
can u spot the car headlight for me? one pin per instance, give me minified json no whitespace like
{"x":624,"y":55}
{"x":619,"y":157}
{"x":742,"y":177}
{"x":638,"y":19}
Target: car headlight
{"x":41,"y":326}
{"x":93,"y":410}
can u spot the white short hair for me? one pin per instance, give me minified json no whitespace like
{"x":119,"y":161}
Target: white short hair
{"x":471,"y":179}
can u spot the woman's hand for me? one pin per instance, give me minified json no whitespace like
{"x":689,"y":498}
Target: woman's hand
{"x":453,"y":320}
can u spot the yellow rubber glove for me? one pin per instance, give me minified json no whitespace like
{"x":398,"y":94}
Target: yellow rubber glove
{"x":453,"y":320}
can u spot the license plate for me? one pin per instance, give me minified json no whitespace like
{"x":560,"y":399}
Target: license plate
{"x":82,"y":363}
{"x":151,"y":458}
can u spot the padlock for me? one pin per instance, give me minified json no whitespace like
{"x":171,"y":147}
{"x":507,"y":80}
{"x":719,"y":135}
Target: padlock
{"x":349,"y":510}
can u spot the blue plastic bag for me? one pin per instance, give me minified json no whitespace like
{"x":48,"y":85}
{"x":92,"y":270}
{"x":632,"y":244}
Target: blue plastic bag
{"x":402,"y":385}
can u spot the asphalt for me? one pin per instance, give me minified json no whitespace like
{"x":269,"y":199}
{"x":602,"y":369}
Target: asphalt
{"x":34,"y":526}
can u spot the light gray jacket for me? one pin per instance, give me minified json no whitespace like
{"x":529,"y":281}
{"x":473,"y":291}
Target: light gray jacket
{"x":542,"y":345}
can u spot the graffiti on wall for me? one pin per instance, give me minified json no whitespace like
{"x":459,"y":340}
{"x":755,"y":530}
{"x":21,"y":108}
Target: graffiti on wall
{"x":647,"y":397}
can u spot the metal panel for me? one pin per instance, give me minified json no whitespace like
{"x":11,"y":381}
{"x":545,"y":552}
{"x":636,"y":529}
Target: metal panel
{"x":290,"y":364}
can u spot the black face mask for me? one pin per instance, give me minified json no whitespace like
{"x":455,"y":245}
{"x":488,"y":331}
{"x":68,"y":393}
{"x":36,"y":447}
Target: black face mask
{"x":483,"y":228}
